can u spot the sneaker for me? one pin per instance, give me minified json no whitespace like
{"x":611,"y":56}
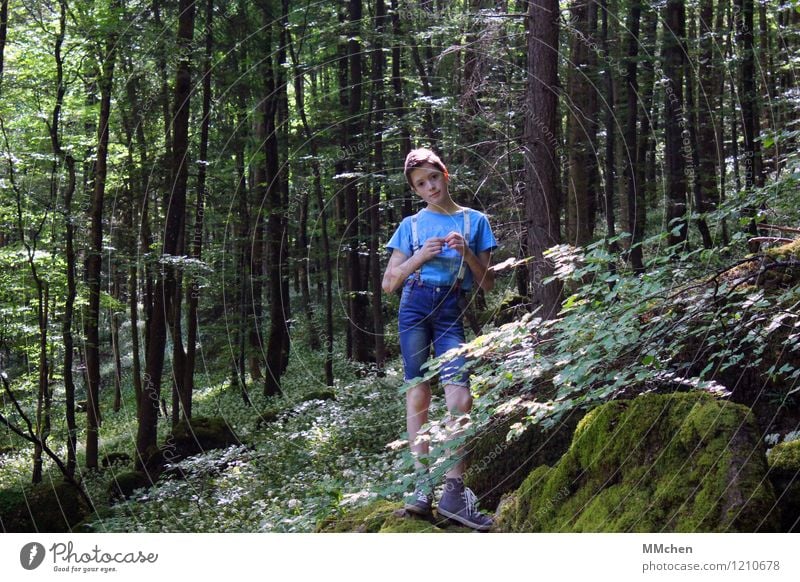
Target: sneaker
{"x":460,"y":504}
{"x":420,"y":502}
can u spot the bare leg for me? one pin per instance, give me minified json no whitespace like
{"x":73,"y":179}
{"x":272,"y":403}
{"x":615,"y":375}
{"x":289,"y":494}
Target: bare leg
{"x":418,"y":400}
{"x":459,"y":401}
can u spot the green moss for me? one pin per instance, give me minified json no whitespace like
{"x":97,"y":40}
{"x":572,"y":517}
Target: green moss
{"x":785,"y":456}
{"x":498,"y":465}
{"x":46,"y":507}
{"x":786,"y":251}
{"x":384,"y":516}
{"x":784,"y":473}
{"x":124,"y":484}
{"x":680,"y":462}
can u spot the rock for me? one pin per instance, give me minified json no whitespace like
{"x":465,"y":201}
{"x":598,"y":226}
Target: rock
{"x":116,"y":458}
{"x":384,"y":516}
{"x":44,"y":508}
{"x":124,"y":484}
{"x":784,"y":473}
{"x":188,"y":439}
{"x":658,"y":463}
{"x":497,"y":465}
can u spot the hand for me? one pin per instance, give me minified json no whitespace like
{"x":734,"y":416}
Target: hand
{"x":456,"y":241}
{"x":432,"y":247}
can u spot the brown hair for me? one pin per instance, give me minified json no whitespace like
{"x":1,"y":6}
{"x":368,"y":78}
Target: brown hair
{"x":419,"y":156}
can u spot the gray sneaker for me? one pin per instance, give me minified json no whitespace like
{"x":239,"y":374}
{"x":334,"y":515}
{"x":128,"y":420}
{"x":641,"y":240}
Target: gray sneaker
{"x":420,"y":502}
{"x":460,"y":504}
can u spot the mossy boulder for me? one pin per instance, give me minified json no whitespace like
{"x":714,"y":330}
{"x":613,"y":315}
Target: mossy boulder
{"x":657,"y":463}
{"x":384,"y":516}
{"x":44,"y":508}
{"x":784,"y":473}
{"x":498,"y":465}
{"x":123,"y":485}
{"x":191,"y":438}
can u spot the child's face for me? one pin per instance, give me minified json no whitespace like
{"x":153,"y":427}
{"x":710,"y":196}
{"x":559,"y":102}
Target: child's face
{"x":429,"y":183}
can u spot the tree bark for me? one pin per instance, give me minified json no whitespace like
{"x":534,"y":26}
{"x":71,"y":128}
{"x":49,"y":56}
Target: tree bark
{"x":578,"y":203}
{"x":675,"y":122}
{"x":94,"y":260}
{"x":635,"y":208}
{"x":173,"y":234}
{"x":193,"y":290}
{"x":541,"y":202}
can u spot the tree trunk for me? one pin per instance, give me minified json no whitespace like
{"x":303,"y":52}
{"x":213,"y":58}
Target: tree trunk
{"x":173,"y":234}
{"x":753,"y":175}
{"x":275,"y":343}
{"x":674,"y":121}
{"x":399,"y":102}
{"x":707,"y":106}
{"x":541,"y":202}
{"x":610,"y":127}
{"x":193,"y":290}
{"x":376,"y":187}
{"x":322,"y":209}
{"x":633,"y":195}
{"x":94,"y":260}
{"x":578,"y":215}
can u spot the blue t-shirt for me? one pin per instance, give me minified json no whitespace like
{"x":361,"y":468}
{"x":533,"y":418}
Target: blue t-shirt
{"x":442,"y":270}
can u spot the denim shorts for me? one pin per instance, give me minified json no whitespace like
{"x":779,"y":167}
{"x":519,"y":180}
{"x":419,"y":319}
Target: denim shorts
{"x":431,"y":315}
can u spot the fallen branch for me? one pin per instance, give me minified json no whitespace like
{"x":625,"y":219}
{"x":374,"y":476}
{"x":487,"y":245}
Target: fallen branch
{"x":778,"y":239}
{"x":776,"y":227}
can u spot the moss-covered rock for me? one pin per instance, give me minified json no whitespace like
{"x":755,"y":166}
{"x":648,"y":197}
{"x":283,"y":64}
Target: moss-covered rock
{"x":784,"y":473}
{"x":124,"y":484}
{"x":657,"y":463}
{"x":498,"y":465}
{"x":384,"y":516}
{"x":188,"y":439}
{"x":116,"y":459}
{"x":44,"y":508}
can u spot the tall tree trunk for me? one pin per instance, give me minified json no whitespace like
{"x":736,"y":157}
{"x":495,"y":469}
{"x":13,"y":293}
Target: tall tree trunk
{"x":541,"y":202}
{"x":69,"y":233}
{"x":635,"y":209}
{"x":610,"y":182}
{"x":282,"y":119}
{"x":693,"y":159}
{"x":3,"y":34}
{"x":753,"y":175}
{"x":707,"y":107}
{"x":193,"y":290}
{"x":173,"y":234}
{"x":674,"y":121}
{"x":399,"y":102}
{"x":376,"y":187}
{"x":94,"y":260}
{"x":578,"y":214}
{"x":356,"y":290}
{"x":272,"y":380}
{"x":323,"y":210}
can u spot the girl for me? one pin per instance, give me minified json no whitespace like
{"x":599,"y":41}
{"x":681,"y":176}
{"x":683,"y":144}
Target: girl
{"x":437,"y":255}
